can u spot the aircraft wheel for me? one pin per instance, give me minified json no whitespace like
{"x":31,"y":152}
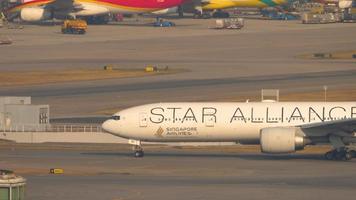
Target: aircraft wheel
{"x":353,"y":153}
{"x":206,"y":15}
{"x":139,"y":154}
{"x":348,"y":155}
{"x":180,"y":11}
{"x":340,"y":155}
{"x":329,"y":155}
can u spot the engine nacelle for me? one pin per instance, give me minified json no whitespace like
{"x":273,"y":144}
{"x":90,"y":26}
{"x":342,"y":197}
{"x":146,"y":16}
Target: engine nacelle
{"x":345,"y":4}
{"x":281,"y":140}
{"x":35,"y":14}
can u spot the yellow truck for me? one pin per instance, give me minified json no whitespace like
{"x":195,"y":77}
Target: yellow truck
{"x":76,"y":26}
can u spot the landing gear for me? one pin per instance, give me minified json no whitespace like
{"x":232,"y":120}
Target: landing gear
{"x":341,"y":151}
{"x":329,"y":155}
{"x":340,"y":154}
{"x":349,"y":155}
{"x":180,"y":11}
{"x":137,"y":148}
{"x":98,"y":19}
{"x":202,"y":15}
{"x":221,"y":14}
{"x":138,"y":151}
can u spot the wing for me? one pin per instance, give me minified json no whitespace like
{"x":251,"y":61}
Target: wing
{"x":344,"y":127}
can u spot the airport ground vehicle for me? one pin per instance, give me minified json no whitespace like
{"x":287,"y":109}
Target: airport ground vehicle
{"x":277,"y":15}
{"x":5,"y":41}
{"x":76,"y":26}
{"x":279,"y":127}
{"x":312,"y":18}
{"x":162,"y":23}
{"x":233,"y":23}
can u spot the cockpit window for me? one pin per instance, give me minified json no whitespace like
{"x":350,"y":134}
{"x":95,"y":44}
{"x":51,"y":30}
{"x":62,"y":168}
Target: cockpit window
{"x":115,"y":117}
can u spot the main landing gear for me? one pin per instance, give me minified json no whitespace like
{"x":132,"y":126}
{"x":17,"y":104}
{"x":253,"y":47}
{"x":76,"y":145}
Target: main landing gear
{"x":340,"y":154}
{"x":138,"y":151}
{"x":221,"y":14}
{"x":341,"y":151}
{"x":137,"y":148}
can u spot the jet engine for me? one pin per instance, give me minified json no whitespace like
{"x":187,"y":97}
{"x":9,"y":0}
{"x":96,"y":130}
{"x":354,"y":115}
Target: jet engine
{"x":281,"y":140}
{"x":35,"y":14}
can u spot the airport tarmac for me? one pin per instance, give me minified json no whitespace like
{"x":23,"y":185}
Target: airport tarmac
{"x":112,"y":173}
{"x":222,"y":64}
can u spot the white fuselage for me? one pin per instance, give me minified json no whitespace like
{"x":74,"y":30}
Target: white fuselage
{"x":220,"y":122}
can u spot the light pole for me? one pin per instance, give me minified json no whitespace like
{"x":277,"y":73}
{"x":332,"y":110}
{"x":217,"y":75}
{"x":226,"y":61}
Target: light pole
{"x":325,"y":90}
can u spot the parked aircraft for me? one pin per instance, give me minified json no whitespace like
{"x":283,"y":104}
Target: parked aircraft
{"x":39,"y":10}
{"x":279,"y":127}
{"x":204,"y":7}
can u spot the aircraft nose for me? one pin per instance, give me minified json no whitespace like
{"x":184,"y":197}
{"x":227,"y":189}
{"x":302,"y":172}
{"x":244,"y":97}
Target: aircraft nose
{"x":109,"y":126}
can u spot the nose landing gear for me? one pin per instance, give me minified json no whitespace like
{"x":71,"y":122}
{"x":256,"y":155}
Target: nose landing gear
{"x":138,"y":151}
{"x":137,"y":148}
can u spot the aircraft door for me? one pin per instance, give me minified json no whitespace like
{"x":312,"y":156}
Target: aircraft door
{"x":143,"y":119}
{"x":210,"y":121}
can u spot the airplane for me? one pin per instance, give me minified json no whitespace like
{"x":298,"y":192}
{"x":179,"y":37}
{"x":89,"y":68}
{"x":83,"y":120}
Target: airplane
{"x":278,"y":127}
{"x":39,"y":10}
{"x":202,"y":8}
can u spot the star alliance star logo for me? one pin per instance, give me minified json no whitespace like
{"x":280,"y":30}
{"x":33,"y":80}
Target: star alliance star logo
{"x":159,"y":132}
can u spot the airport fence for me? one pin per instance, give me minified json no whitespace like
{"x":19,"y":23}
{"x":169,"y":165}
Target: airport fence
{"x":53,"y":128}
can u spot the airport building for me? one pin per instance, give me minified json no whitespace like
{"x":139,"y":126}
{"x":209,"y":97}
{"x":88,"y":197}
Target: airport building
{"x":17,"y":113}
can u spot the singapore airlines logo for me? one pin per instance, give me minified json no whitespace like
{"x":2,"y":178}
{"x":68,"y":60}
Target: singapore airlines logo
{"x":159,"y":132}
